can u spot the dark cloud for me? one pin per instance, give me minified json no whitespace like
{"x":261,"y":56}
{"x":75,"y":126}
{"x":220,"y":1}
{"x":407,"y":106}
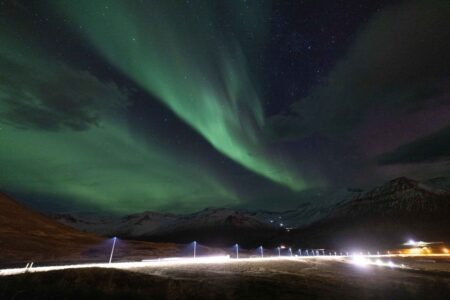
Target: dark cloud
{"x":435,"y":147}
{"x":399,"y":62}
{"x":53,"y":96}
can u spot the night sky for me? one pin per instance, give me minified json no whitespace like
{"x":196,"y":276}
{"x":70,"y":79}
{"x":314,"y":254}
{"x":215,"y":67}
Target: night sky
{"x":124,"y":106}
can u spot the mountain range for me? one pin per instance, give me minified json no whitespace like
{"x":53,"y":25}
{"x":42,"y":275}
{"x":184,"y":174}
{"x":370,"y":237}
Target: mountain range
{"x":385,"y":216}
{"x":399,"y":209}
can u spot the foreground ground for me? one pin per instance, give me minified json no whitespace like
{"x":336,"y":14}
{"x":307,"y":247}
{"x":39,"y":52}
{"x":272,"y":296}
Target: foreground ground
{"x":272,"y":279}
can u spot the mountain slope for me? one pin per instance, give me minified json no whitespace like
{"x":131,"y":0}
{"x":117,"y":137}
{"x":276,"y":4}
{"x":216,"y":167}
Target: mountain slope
{"x":389,"y":214}
{"x":400,"y":209}
{"x":24,"y":233}
{"x":27,"y":236}
{"x":215,"y":226}
{"x":315,"y":206}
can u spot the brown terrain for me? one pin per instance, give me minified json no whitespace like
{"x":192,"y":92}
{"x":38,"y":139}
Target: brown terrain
{"x":27,"y":236}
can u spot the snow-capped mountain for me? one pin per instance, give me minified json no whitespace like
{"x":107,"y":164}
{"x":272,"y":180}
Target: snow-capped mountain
{"x":401,"y":197}
{"x":401,"y":205}
{"x":315,"y":206}
{"x":388,"y":214}
{"x":134,"y":225}
{"x":152,"y":225}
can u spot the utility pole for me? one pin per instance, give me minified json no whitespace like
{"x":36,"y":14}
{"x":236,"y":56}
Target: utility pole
{"x":195,"y":249}
{"x":112,"y":250}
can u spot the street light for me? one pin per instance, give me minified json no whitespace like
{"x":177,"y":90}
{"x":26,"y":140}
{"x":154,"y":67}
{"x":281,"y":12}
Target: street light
{"x":195,"y":249}
{"x":237,"y":251}
{"x":112,"y":249}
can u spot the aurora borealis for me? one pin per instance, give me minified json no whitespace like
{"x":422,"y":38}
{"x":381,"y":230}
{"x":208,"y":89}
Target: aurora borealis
{"x":198,"y":72}
{"x":123,"y":106}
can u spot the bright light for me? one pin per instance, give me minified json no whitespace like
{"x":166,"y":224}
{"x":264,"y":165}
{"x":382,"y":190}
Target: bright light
{"x":360,"y":261}
{"x":445,"y":250}
{"x":417,"y":251}
{"x":419,"y":243}
{"x":200,"y":259}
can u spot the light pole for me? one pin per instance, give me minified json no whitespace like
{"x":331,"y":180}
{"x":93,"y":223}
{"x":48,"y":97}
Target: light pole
{"x":237,"y":251}
{"x":195,"y":249}
{"x":262,"y":251}
{"x":279,"y":253}
{"x":112,"y":249}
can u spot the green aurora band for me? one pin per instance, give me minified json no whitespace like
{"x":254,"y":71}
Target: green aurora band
{"x":102,"y":166}
{"x":174,"y":51}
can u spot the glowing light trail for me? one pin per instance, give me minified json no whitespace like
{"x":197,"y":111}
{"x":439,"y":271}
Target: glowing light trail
{"x":362,"y":260}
